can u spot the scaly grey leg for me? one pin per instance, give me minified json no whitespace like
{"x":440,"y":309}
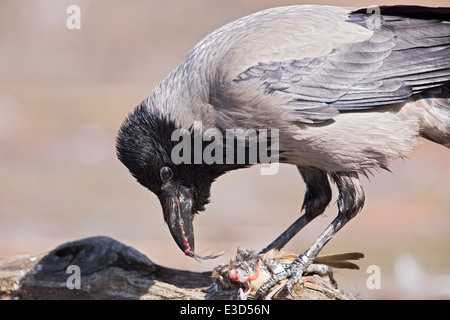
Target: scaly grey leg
{"x":350,"y":202}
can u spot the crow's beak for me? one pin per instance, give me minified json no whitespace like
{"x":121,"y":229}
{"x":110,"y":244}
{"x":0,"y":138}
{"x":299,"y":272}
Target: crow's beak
{"x":176,"y":202}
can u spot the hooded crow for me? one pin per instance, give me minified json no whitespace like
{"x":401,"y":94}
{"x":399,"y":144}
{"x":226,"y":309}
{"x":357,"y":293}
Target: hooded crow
{"x":337,"y":92}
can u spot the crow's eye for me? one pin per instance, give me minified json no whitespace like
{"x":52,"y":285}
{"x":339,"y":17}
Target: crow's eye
{"x":166,"y":173}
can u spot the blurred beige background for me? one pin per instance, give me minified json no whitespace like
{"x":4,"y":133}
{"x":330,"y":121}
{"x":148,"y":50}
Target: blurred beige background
{"x":63,"y":95}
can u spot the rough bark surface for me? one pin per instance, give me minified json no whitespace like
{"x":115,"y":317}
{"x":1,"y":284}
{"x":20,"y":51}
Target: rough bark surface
{"x":111,"y":270}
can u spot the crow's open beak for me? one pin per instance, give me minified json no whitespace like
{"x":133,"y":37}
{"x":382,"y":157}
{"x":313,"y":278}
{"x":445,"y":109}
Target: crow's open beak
{"x":177,"y":206}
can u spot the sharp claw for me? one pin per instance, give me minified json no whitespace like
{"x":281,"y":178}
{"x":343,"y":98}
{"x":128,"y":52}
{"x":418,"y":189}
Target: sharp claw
{"x":291,"y":283}
{"x":288,"y":287}
{"x":293,"y":274}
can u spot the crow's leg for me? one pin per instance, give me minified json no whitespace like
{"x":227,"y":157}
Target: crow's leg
{"x":317,"y":197}
{"x":350,"y":202}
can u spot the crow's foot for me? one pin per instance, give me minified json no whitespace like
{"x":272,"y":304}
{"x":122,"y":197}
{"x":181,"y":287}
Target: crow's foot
{"x":293,"y":273}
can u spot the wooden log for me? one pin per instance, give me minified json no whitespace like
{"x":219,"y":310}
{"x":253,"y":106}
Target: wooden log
{"x":107,"y":269}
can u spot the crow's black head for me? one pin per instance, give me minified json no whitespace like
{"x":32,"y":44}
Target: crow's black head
{"x":144,"y":146}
